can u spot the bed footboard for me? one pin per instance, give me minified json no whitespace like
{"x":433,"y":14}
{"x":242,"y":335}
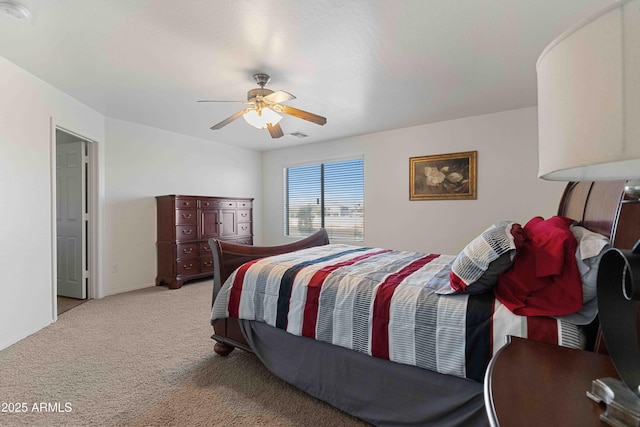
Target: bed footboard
{"x":229,"y":256}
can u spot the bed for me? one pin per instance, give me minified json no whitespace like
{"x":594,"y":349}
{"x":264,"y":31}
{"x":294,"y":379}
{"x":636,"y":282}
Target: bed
{"x":399,"y":385}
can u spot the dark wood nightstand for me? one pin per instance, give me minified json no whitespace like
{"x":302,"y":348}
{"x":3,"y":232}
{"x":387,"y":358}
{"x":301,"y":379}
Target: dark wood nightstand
{"x":529,"y":383}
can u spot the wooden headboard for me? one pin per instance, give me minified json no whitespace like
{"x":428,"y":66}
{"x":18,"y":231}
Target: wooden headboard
{"x":603,"y":208}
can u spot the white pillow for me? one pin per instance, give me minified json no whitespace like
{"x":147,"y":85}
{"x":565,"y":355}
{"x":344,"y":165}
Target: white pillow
{"x":591,"y":247}
{"x":478,"y":266}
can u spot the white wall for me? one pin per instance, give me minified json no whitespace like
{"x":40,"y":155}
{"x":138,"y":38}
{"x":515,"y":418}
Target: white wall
{"x":143,"y":162}
{"x":135,"y":163}
{"x":27,"y":106}
{"x":508,"y":187}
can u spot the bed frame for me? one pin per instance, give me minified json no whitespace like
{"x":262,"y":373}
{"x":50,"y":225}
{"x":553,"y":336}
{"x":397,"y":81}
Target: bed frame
{"x":598,"y":206}
{"x":229,"y":256}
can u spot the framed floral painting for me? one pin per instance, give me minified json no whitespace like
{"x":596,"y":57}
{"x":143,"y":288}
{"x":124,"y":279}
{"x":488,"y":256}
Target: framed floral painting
{"x":443,"y":177}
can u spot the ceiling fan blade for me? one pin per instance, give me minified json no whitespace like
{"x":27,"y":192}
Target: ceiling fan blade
{"x":275,"y":130}
{"x":229,"y":119}
{"x":301,"y":114}
{"x":278,"y":97}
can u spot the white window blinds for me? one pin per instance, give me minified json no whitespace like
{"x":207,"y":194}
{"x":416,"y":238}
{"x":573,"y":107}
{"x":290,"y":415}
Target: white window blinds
{"x":329,"y":195}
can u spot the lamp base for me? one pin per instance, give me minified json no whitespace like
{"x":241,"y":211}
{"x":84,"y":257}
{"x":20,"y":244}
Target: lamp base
{"x":623,"y":406}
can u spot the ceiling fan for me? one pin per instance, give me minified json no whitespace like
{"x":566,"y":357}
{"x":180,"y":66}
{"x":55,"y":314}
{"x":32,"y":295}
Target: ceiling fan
{"x":264,"y":106}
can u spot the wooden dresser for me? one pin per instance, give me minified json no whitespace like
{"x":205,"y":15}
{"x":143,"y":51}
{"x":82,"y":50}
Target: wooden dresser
{"x":185,"y":224}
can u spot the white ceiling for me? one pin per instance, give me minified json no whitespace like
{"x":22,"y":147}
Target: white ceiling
{"x":366,"y":65}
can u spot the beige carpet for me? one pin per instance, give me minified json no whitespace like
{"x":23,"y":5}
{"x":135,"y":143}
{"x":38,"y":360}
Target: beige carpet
{"x":65,"y":304}
{"x":145,"y":358}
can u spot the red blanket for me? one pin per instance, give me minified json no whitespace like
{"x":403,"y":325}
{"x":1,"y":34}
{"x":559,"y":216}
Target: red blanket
{"x":544,"y":279}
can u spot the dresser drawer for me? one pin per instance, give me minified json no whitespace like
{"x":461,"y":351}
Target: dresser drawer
{"x":217,"y":204}
{"x":244,"y":215}
{"x":189,"y":266}
{"x":206,"y":264}
{"x":187,"y":250}
{"x":186,"y":217}
{"x":228,"y":204}
{"x":205,"y":249}
{"x":244,"y":229}
{"x":186,"y":232}
{"x":186,"y":202}
{"x":209,"y":204}
{"x":244,"y":204}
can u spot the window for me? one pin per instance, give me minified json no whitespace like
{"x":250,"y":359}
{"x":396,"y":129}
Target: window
{"x":329,"y":195}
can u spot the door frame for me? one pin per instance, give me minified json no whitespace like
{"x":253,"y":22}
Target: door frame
{"x":94,"y":289}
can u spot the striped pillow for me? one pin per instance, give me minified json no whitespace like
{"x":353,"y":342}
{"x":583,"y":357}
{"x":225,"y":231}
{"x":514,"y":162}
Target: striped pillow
{"x":477,"y":268}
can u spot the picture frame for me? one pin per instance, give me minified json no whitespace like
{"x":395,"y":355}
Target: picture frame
{"x":443,"y":177}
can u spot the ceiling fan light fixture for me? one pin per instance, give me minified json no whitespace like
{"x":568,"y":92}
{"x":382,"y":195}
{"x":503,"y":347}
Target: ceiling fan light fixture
{"x":14,"y":10}
{"x":259,"y":121}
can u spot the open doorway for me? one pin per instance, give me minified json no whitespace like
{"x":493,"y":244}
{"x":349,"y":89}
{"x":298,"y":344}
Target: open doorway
{"x":73,"y":219}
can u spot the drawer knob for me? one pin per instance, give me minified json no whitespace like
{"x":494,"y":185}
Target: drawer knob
{"x":187,"y":267}
{"x":206,"y":249}
{"x":187,"y":250}
{"x":208,"y":263}
{"x":186,"y":216}
{"x":189,"y":231}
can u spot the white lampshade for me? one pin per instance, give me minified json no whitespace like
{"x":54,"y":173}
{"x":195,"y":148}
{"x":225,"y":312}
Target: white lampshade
{"x":259,"y":121}
{"x":589,"y":99}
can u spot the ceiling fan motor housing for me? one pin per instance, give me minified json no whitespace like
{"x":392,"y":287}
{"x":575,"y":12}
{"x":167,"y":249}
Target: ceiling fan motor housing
{"x":253,"y":93}
{"x":262,"y":79}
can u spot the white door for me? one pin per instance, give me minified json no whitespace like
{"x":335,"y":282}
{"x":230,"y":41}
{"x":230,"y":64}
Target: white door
{"x":70,"y":219}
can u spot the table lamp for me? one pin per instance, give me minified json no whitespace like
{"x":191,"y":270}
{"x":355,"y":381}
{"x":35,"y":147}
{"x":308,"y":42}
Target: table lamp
{"x":589,"y":129}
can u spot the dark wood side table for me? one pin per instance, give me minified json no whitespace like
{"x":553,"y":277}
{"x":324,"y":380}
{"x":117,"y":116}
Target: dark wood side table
{"x":530,"y":383}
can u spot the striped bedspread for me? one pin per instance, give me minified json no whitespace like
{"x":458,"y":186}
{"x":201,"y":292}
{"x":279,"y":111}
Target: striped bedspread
{"x":383,"y":303}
